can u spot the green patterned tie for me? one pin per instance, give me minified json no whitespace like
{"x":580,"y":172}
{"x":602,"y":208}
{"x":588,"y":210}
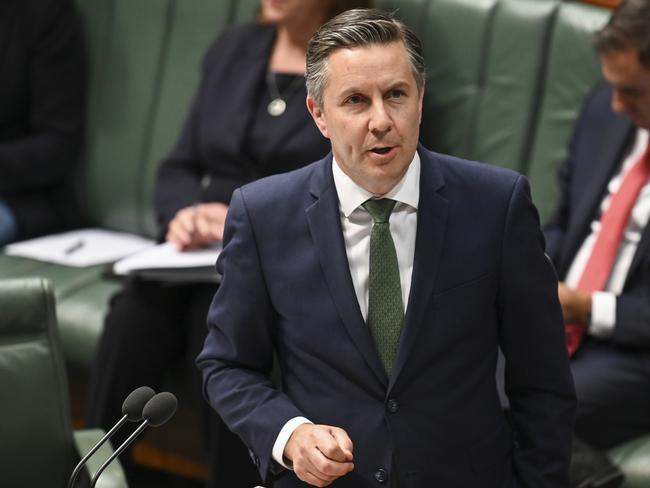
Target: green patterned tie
{"x":385,"y":308}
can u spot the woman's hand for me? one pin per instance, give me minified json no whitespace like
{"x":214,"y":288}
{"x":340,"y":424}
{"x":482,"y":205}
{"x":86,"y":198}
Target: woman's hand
{"x":197,"y":226}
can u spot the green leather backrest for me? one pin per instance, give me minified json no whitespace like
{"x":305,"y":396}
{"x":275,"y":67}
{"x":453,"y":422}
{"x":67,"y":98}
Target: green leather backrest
{"x":511,"y":86}
{"x":244,"y":10}
{"x":412,"y":12}
{"x":36,"y":448}
{"x":145,"y":64}
{"x":192,"y":27}
{"x":455,"y":44}
{"x":123,"y":98}
{"x":571,"y":70}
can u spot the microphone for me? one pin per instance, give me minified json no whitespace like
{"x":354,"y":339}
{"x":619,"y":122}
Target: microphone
{"x":132,"y":408}
{"x":156,"y":412}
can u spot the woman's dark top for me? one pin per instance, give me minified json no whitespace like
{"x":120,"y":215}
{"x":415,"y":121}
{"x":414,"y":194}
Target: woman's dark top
{"x":229,"y":135}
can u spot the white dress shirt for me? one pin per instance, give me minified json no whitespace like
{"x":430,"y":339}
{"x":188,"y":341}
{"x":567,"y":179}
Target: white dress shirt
{"x":603,"y":305}
{"x":357,"y":223}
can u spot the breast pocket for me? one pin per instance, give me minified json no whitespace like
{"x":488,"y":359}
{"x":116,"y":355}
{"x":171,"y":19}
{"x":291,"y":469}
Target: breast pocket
{"x":476,"y":291}
{"x":466,"y":314}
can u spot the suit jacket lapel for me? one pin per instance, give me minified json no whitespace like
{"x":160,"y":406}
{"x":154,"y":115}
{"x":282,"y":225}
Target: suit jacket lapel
{"x":431,"y":231}
{"x":325,"y":227}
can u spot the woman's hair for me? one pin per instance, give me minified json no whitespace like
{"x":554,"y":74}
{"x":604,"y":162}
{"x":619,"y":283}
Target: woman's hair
{"x":340,"y":6}
{"x":336,"y":7}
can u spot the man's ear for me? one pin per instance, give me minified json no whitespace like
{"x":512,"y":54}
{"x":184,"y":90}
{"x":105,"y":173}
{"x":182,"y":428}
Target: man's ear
{"x":318,"y":116}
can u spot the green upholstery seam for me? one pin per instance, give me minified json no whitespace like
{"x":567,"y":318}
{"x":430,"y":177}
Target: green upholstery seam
{"x":56,"y":355}
{"x":480,"y":82}
{"x":152,"y":116}
{"x":232,"y":12}
{"x":536,"y":108}
{"x":82,"y":281}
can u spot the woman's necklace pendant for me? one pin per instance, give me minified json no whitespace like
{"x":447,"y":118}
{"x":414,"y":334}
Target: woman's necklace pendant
{"x":276,"y":107}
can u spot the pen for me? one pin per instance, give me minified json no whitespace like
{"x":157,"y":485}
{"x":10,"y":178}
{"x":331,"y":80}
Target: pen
{"x":74,"y":247}
{"x":203,"y":185}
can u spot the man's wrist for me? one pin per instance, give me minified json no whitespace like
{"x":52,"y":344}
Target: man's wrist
{"x":283,"y":438}
{"x":603,"y":314}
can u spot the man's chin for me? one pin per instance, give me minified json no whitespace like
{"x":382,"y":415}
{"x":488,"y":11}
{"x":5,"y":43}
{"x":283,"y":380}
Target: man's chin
{"x":382,"y":179}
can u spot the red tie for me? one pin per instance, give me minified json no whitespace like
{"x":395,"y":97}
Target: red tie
{"x":612,"y":225}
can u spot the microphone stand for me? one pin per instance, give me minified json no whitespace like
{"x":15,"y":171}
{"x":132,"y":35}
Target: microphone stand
{"x":118,"y":451}
{"x":83,"y":461}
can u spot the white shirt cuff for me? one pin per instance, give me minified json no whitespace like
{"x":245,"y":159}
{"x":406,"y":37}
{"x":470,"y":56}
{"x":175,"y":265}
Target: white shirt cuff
{"x":603,"y":314}
{"x":283,"y":438}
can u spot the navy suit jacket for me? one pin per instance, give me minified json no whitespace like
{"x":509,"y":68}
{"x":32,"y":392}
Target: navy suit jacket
{"x":480,"y":280}
{"x":596,"y":153}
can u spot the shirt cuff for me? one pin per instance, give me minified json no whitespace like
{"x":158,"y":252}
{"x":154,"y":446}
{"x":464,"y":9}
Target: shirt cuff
{"x":603,"y":314}
{"x":283,"y":438}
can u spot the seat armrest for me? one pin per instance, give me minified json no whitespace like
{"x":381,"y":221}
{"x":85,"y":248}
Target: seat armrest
{"x":113,"y":476}
{"x":633,"y":457}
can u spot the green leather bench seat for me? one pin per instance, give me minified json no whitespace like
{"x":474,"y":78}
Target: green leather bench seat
{"x":82,"y":296}
{"x":633,"y":458}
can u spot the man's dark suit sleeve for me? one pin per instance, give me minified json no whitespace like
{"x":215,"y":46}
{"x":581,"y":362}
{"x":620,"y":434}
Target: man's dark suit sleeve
{"x":537,"y":378}
{"x":238,"y":354}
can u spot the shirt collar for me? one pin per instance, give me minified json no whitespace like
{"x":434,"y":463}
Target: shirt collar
{"x":351,"y":195}
{"x":642,"y":139}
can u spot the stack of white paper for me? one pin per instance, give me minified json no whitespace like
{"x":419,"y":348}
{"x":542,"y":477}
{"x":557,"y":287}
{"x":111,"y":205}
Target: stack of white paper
{"x":165,"y":263}
{"x":80,"y":248}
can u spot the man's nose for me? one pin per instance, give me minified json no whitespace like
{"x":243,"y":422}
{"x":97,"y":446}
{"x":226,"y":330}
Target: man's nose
{"x":380,"y":120}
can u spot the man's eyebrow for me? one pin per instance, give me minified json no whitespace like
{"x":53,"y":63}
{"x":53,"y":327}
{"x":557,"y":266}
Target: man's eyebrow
{"x":399,"y":84}
{"x":360,"y":90}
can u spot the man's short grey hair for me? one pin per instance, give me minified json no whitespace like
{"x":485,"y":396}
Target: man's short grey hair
{"x":359,"y":28}
{"x":628,"y":28}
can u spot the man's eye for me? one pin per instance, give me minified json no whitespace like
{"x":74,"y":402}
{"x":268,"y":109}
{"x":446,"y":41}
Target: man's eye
{"x":353,"y":100}
{"x":632,"y":93}
{"x":396,"y":93}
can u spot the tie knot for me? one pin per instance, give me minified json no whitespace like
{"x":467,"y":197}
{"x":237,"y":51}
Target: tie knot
{"x":380,"y":209}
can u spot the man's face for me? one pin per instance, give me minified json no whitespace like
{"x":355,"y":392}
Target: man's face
{"x":631,"y":83}
{"x":371,"y":113}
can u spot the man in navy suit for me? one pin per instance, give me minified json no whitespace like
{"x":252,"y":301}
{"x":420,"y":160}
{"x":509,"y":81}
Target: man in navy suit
{"x":611,"y":360}
{"x":384,"y":278}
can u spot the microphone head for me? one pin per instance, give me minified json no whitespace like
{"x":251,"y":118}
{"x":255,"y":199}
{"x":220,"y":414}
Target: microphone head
{"x":160,"y":408}
{"x":135,"y":402}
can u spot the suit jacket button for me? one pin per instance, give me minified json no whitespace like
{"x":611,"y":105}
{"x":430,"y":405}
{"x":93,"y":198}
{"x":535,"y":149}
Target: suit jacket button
{"x":381,"y":475}
{"x":392,"y":405}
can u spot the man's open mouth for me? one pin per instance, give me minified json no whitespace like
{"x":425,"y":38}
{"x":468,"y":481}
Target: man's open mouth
{"x":381,"y":150}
